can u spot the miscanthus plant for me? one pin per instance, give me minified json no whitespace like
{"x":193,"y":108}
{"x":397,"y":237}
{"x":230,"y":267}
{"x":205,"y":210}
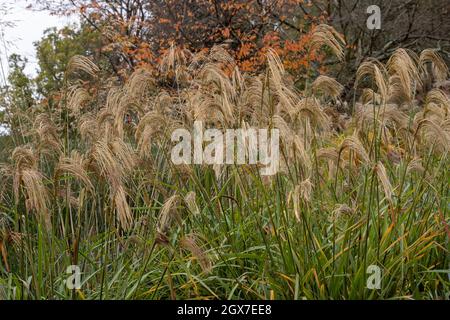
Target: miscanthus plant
{"x":92,"y":185}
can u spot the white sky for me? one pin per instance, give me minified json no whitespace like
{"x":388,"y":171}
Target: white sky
{"x":29,"y":27}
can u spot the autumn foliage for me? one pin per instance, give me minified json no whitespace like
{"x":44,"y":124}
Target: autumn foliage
{"x":142,"y":31}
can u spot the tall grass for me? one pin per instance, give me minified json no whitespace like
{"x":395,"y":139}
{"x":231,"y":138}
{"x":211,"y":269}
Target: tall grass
{"x":93,"y":185}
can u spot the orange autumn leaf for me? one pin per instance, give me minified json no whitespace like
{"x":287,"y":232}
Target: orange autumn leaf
{"x":226,"y":32}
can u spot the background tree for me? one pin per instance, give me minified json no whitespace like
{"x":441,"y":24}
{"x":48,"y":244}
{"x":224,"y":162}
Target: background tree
{"x":138,"y":31}
{"x":4,"y":23}
{"x":16,"y":98}
{"x":409,"y":24}
{"x":20,"y":89}
{"x":54,"y":52}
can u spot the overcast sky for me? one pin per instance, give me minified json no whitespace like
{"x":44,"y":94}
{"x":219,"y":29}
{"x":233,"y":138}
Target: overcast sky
{"x":29,"y":27}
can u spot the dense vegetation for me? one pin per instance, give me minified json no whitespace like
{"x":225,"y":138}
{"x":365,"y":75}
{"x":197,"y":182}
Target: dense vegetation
{"x":87,"y":177}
